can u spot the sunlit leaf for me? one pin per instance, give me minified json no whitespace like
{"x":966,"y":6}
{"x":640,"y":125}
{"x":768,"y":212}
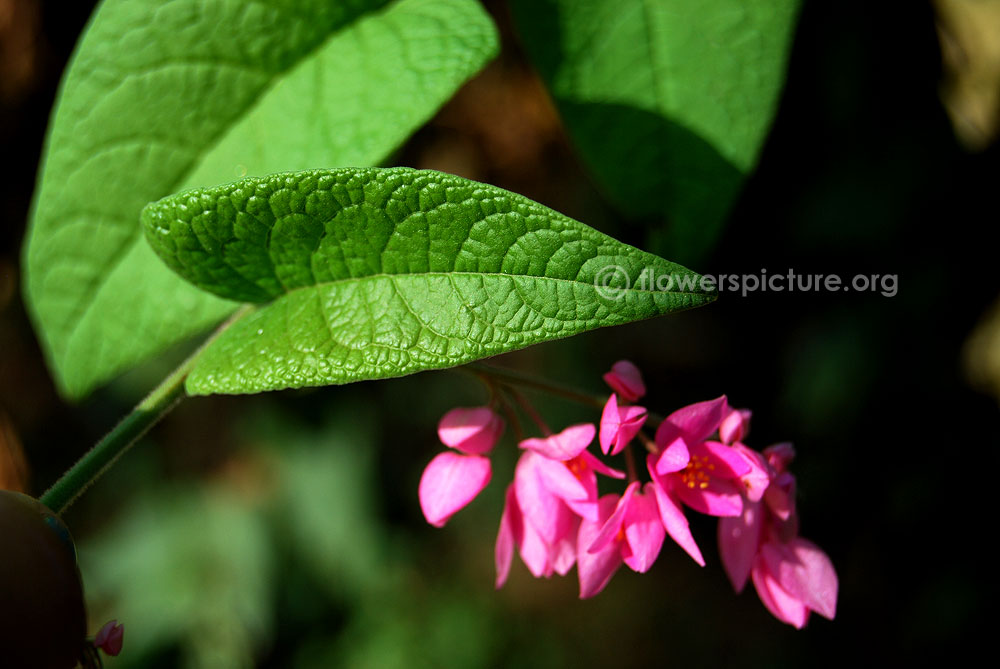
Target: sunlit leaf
{"x":166,"y":95}
{"x":375,"y":273}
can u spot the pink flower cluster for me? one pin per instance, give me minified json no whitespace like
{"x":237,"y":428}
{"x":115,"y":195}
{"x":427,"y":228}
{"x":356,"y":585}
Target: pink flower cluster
{"x":554,"y":518}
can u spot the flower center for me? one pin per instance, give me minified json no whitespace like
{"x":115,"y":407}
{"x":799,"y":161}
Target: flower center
{"x":696,"y":474}
{"x":577,"y":467}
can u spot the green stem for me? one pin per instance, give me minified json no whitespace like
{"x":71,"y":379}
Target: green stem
{"x":147,"y":413}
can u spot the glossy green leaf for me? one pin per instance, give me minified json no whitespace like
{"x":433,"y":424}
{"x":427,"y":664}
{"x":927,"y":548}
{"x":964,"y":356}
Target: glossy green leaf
{"x":667,"y":101}
{"x":162,"y":96}
{"x":374,"y":273}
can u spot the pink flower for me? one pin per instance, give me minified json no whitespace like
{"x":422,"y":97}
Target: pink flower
{"x":567,"y":470}
{"x":540,"y":524}
{"x":625,"y":379}
{"x":793,"y":579}
{"x":735,"y":426}
{"x":109,"y":638}
{"x":792,"y":576}
{"x":631,"y":533}
{"x":555,"y":485}
{"x":449,"y":483}
{"x":619,"y":425}
{"x":473,"y":431}
{"x":705,"y":475}
{"x":672,"y":513}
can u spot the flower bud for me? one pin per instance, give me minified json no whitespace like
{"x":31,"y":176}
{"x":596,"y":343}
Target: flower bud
{"x":625,"y":379}
{"x":473,"y":431}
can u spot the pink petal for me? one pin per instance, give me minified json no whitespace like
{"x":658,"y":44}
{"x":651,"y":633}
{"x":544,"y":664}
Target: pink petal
{"x":780,"y":603}
{"x":541,"y":509}
{"x":563,"y":446}
{"x":644,"y":531}
{"x":739,"y":539}
{"x":626,"y":380}
{"x":719,"y":498}
{"x":672,"y":515}
{"x":563,"y":554}
{"x":595,"y":464}
{"x":780,"y":455}
{"x":755,"y":482}
{"x":728,"y":462}
{"x":109,"y":638}
{"x":673,"y":458}
{"x":596,"y":569}
{"x":535,"y":553}
{"x":804,"y":572}
{"x":450,"y":482}
{"x":581,"y":468}
{"x":631,"y":420}
{"x":610,"y":422}
{"x":619,"y":425}
{"x":780,"y":496}
{"x":609,"y":531}
{"x":695,"y":422}
{"x":735,"y":426}
{"x":510,"y":536}
{"x":560,"y":481}
{"x":474,"y":431}
{"x":586,"y":508}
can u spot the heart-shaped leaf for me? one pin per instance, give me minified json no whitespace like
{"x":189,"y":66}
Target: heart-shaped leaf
{"x":668,"y":101}
{"x":162,"y":96}
{"x":374,"y":273}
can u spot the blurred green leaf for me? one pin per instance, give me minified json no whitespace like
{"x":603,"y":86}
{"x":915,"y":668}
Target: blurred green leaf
{"x":327,"y":508}
{"x":377,"y":273}
{"x":162,"y":96}
{"x":667,"y":101}
{"x":190,"y":568}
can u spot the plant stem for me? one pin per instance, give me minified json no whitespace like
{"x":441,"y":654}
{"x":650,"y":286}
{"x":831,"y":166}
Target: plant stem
{"x":630,"y":464}
{"x":517,"y":378}
{"x":531,"y":411}
{"x":147,"y":413}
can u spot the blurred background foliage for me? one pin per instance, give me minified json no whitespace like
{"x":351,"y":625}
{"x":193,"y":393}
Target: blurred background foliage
{"x":283,"y":530}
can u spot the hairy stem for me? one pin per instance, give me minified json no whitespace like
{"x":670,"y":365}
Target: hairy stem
{"x":147,"y":413}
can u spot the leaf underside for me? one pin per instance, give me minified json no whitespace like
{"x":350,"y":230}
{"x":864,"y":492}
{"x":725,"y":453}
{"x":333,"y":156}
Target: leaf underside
{"x":374,"y":273}
{"x":162,"y":96}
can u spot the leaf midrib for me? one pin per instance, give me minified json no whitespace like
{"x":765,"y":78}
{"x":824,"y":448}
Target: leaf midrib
{"x":393,"y":277}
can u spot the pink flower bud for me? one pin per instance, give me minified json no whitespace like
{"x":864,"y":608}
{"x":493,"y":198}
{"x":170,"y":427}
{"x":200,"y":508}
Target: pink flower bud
{"x":625,"y":379}
{"x":473,"y":431}
{"x":780,"y":456}
{"x":109,"y":638}
{"x":735,"y":426}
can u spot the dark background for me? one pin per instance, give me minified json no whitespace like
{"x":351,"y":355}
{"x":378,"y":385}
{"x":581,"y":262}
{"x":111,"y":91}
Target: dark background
{"x":897,"y":453}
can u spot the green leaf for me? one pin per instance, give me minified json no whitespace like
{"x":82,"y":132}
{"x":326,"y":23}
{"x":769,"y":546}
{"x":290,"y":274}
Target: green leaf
{"x":162,"y":96}
{"x":375,"y":273}
{"x":667,"y":101}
